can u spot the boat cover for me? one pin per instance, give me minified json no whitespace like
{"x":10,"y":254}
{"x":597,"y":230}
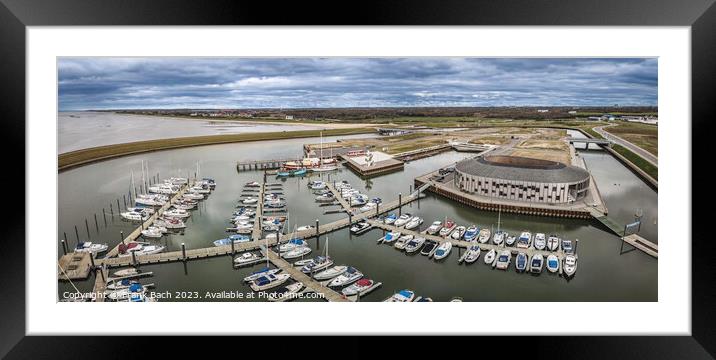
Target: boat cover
{"x":406,"y":293}
{"x":364,"y":282}
{"x":135,"y":287}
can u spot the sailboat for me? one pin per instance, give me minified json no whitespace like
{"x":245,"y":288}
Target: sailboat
{"x":324,"y":165}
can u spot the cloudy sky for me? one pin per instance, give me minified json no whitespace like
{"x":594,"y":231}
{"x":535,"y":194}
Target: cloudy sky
{"x":206,"y":83}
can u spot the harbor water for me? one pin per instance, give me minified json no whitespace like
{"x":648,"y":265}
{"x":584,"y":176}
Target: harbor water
{"x":603,"y":274}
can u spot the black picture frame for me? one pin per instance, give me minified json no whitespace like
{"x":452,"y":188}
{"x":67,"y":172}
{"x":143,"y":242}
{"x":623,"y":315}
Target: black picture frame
{"x":16,"y":15}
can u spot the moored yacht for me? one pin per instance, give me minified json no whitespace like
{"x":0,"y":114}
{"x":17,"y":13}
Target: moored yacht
{"x":472,"y":254}
{"x":349,"y":276}
{"x":471,"y":233}
{"x":525,"y":240}
{"x":428,"y":248}
{"x":569,"y":266}
{"x":536,"y":263}
{"x":447,"y":228}
{"x":403,"y":219}
{"x":414,"y":245}
{"x":401,"y":296}
{"x":521,"y":262}
{"x":331,"y":272}
{"x":360,"y":227}
{"x":490,"y":257}
{"x":389,"y":237}
{"x":553,"y":243}
{"x":484,"y":235}
{"x":91,"y":248}
{"x":402,"y":241}
{"x":503,"y":260}
{"x":413,"y":223}
{"x":442,"y":251}
{"x":540,"y":241}
{"x":458,"y":233}
{"x":434,"y":228}
{"x":296,"y":252}
{"x":269,"y":281}
{"x":318,"y":264}
{"x":552,"y":263}
{"x":247,"y":258}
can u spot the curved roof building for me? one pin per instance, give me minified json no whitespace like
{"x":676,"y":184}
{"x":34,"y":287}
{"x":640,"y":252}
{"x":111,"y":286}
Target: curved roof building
{"x":521,"y":179}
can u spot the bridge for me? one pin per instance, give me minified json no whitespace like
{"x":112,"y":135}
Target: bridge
{"x":590,"y":141}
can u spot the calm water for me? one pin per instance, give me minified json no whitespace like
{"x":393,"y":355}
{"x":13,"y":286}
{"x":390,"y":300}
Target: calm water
{"x":603,"y":275}
{"x":80,"y":130}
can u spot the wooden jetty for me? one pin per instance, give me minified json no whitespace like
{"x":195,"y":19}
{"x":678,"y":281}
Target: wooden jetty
{"x":262,"y":164}
{"x":74,"y":266}
{"x":634,"y":240}
{"x":296,"y":273}
{"x":256,"y":233}
{"x":100,"y":284}
{"x":378,"y":168}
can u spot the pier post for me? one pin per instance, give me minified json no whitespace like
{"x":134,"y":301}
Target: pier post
{"x":411,"y":188}
{"x":64,"y":247}
{"x":124,"y":200}
{"x":377,"y":209}
{"x":400,"y":204}
{"x":96,"y":225}
{"x":111,"y":212}
{"x":118,"y":204}
{"x":183,"y":252}
{"x":65,"y":237}
{"x":104,"y":215}
{"x":91,"y":259}
{"x":317,"y":232}
{"x":350,"y":218}
{"x":134,"y":258}
{"x":576,"y":244}
{"x":87,"y":227}
{"x":358,"y":296}
{"x":77,"y":234}
{"x":232,"y":246}
{"x":121,"y":237}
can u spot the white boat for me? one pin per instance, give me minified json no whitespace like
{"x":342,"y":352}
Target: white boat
{"x":250,"y":200}
{"x":286,"y":293}
{"x":125,"y":293}
{"x":510,"y":240}
{"x":192,"y":196}
{"x":292,"y":244}
{"x":349,"y":276}
{"x":390,"y":219}
{"x":402,"y":241}
{"x":414,"y":245}
{"x":503,"y":260}
{"x":236,"y":239}
{"x":428,"y":248}
{"x":360,"y":227}
{"x":490,"y":257}
{"x":472,"y":254}
{"x":553,"y":243}
{"x":434,"y":228}
{"x":170,"y":223}
{"x":536,"y":263}
{"x":525,"y":240}
{"x":484,"y":235}
{"x":569,"y":267}
{"x":297,"y":252}
{"x":177,"y":213}
{"x":318,"y":264}
{"x":269,"y":281}
{"x":152,"y":232}
{"x":552,"y":263}
{"x":499,"y":237}
{"x":401,"y":296}
{"x":471,"y":233}
{"x":325,"y":198}
{"x":91,"y":248}
{"x":389,"y":237}
{"x":318,"y":185}
{"x":125,"y":272}
{"x":540,"y":241}
{"x":448,"y":227}
{"x":149,"y":211}
{"x":368,"y":207}
{"x":442,"y":251}
{"x":330,"y":273}
{"x":402,"y":220}
{"x":257,"y":274}
{"x":247,"y":258}
{"x":413,"y":223}
{"x":135,"y":215}
{"x":252,"y":184}
{"x":362,"y":286}
{"x":458,"y":233}
{"x":120,"y":284}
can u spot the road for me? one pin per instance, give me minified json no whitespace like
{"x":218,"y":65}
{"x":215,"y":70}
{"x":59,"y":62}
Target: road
{"x":637,"y":150}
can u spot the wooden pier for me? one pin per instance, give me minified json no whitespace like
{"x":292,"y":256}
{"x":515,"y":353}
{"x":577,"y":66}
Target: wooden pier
{"x":634,"y":240}
{"x":74,"y":266}
{"x":310,"y":283}
{"x":261,"y":164}
{"x":378,"y":168}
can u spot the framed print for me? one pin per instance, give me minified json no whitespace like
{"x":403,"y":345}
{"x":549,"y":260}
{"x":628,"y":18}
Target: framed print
{"x":500,"y":162}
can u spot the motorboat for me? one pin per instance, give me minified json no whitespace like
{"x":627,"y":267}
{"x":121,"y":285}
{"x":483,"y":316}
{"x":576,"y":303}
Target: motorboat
{"x":389,"y":237}
{"x":423,"y":299}
{"x":490,"y":257}
{"x":368,"y":207}
{"x":414,"y":245}
{"x":471,"y":233}
{"x":125,"y":272}
{"x":252,"y":184}
{"x":152,"y":232}
{"x":413,"y":223}
{"x":177,"y":213}
{"x":567,"y":246}
{"x":250,"y":200}
{"x":330,"y":273}
{"x":552,"y":263}
{"x":318,"y":264}
{"x":510,"y":240}
{"x":428,"y":247}
{"x":525,"y":240}
{"x":359,"y":200}
{"x":458,"y":233}
{"x":376,"y":200}
{"x":503,"y":260}
{"x":257,"y":274}
{"x":442,"y":251}
{"x":499,"y":237}
{"x":147,"y":210}
{"x":296,"y":252}
{"x":536,"y":263}
{"x":521,"y":262}
{"x":349,"y":276}
{"x":540,"y":241}
{"x":150,"y":200}
{"x":176,"y":181}
{"x":448,"y":227}
{"x":484,"y":235}
{"x":299,"y":172}
{"x":286,"y":293}
{"x":239,"y":218}
{"x":402,"y":241}
{"x":135,"y":215}
{"x":269,"y":281}
{"x":362,"y":287}
{"x":325,"y":198}
{"x":139,"y":249}
{"x":434,"y":228}
{"x":184,"y":205}
{"x":236,"y":239}
{"x":121,"y":284}
{"x":92,"y":248}
{"x":402,"y":220}
{"x":123,"y":294}
{"x":401,"y":296}
{"x":472,"y":254}
{"x":318,"y":185}
{"x":192,"y":196}
{"x":292,"y":244}
{"x":569,"y":266}
{"x":360,"y":227}
{"x":165,"y":189}
{"x":390,"y":219}
{"x":247,"y":258}
{"x":170,"y":223}
{"x":553,"y":243}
